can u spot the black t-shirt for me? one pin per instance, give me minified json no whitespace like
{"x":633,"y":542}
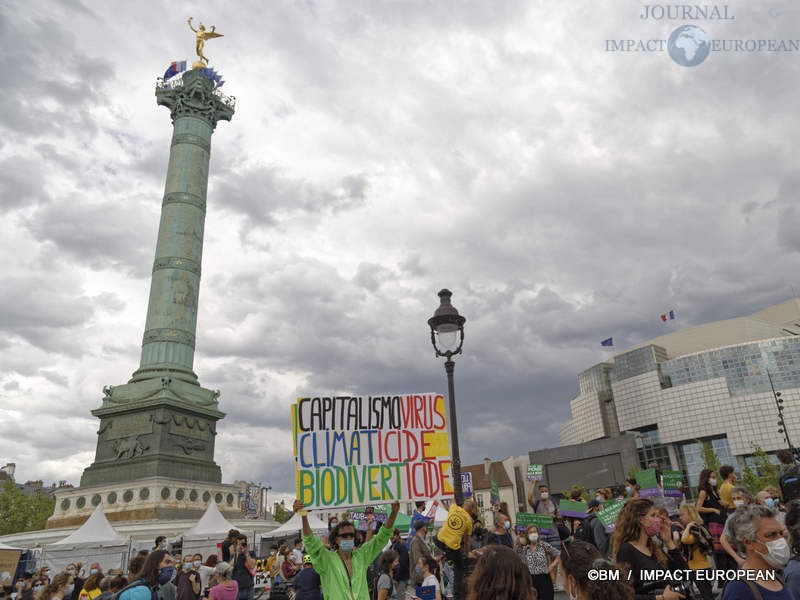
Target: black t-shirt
{"x":241,"y":574}
{"x":502,"y":539}
{"x":638,"y":561}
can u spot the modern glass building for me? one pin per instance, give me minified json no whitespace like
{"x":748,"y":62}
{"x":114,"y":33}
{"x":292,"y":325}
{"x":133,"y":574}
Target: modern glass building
{"x":706,"y":383}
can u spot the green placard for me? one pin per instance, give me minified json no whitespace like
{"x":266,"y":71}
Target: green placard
{"x":672,"y":480}
{"x":570,"y":508}
{"x":535,"y":472}
{"x":541,"y":521}
{"x":647,"y":479}
{"x":607,"y":514}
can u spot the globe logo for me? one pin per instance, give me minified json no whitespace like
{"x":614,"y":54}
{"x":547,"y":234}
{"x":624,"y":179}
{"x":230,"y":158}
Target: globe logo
{"x":689,"y":45}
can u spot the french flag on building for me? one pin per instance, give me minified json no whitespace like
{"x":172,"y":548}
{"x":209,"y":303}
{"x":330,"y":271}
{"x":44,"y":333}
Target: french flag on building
{"x":175,"y":67}
{"x":607,"y":342}
{"x":668,"y":316}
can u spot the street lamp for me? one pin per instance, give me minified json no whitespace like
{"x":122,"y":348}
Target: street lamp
{"x":447,"y":337}
{"x":781,"y":422}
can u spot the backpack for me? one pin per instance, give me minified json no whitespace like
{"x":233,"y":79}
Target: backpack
{"x":584,"y":531}
{"x":133,"y":584}
{"x":790,"y":484}
{"x":703,"y":539}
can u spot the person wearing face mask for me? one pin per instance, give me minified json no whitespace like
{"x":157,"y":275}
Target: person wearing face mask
{"x":188,"y":581}
{"x":24,"y":587}
{"x":155,"y":574}
{"x":577,"y":559}
{"x":343,"y":568}
{"x":205,"y":570}
{"x":710,"y":508}
{"x":417,"y":549}
{"x":541,"y":559}
{"x":633,"y":544}
{"x":91,"y":587}
{"x":58,"y":589}
{"x":502,"y":531}
{"x":755,"y":530}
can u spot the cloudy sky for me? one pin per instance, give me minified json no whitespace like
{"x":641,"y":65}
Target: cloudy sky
{"x":381,"y":151}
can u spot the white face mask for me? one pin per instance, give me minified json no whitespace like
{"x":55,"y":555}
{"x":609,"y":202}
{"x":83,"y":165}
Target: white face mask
{"x":544,"y":495}
{"x":197,"y":563}
{"x":712,"y":482}
{"x":533,"y":537}
{"x":778,"y":553}
{"x":738,"y":503}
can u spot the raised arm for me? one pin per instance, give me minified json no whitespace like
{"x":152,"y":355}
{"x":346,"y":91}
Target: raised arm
{"x":298,"y":508}
{"x":190,"y":25}
{"x":389,"y":524}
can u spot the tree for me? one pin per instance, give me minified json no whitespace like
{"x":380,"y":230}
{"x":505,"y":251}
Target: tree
{"x":281,"y":514}
{"x":576,"y":488}
{"x":710,"y":458}
{"x":23,"y":512}
{"x":763,"y":474}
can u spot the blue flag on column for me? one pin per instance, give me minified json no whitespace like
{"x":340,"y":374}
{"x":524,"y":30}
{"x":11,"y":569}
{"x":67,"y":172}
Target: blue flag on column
{"x":607,"y":342}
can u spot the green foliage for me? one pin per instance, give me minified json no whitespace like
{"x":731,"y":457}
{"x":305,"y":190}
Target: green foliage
{"x":765,"y":474}
{"x":577,"y":487}
{"x":281,"y":513}
{"x":710,"y":458}
{"x":22,"y":512}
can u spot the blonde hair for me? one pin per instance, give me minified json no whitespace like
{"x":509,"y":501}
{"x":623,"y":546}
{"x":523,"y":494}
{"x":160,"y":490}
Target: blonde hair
{"x":690,"y":511}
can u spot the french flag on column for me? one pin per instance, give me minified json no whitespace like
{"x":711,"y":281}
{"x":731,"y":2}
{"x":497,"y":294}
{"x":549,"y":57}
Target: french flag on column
{"x":607,"y":342}
{"x":178,"y":66}
{"x":668,"y":316}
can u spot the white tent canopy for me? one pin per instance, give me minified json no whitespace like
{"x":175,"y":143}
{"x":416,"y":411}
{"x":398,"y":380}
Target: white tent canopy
{"x":212,"y":523}
{"x":4,"y":547}
{"x":95,"y":529}
{"x":207,"y":532}
{"x":95,"y":541}
{"x":295,"y":525}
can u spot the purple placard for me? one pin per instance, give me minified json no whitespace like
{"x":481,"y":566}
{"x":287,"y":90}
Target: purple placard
{"x":611,"y":528}
{"x":670,"y":493}
{"x":649,"y":492}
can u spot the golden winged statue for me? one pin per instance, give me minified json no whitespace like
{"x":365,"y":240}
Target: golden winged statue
{"x":201,"y":35}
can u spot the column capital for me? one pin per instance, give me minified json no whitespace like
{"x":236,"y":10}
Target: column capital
{"x":195,"y":95}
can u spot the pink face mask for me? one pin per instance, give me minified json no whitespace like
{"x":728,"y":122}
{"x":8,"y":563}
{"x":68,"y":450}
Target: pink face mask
{"x":653,"y":526}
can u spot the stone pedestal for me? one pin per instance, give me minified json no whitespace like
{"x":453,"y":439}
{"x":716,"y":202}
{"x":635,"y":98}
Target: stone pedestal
{"x":146,"y":499}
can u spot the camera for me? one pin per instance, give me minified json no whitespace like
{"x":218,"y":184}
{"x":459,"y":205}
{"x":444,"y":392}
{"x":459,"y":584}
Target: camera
{"x":684,"y":588}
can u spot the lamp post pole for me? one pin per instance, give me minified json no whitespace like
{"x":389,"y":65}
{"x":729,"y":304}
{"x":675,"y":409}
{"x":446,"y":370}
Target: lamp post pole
{"x":447,"y":337}
{"x":458,"y":489}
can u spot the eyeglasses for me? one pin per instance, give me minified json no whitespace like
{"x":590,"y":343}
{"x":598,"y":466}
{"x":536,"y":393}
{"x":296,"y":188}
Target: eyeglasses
{"x":347,"y":536}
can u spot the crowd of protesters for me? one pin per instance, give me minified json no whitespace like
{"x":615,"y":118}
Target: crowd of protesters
{"x":727,"y":544}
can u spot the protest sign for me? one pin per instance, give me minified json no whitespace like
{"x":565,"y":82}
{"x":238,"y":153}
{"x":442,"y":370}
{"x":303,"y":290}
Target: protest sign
{"x":356,"y":450}
{"x":466,"y":484}
{"x":426,"y":592}
{"x":607,"y":514}
{"x":535,"y":472}
{"x":648,"y":483}
{"x":570,"y":508}
{"x":261,"y":580}
{"x":543,"y":522}
{"x":672,"y":482}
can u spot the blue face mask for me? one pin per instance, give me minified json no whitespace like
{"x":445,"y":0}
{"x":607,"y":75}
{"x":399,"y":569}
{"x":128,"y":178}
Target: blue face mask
{"x":771,"y":502}
{"x":507,"y":524}
{"x":347,"y":545}
{"x":165,"y":574}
